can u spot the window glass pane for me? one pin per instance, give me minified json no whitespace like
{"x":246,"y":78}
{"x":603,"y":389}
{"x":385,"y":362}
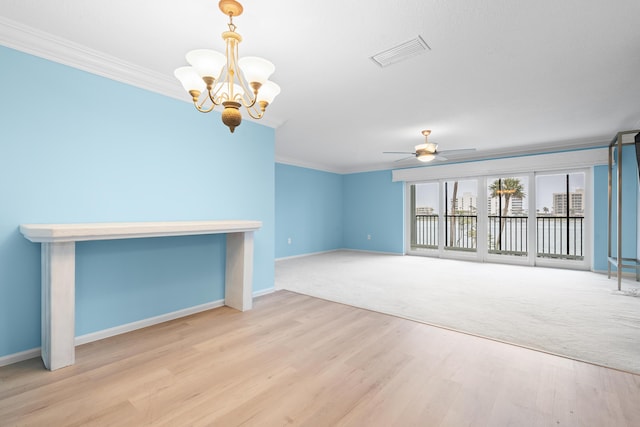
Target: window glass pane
{"x":461,"y":218}
{"x":508,"y":210}
{"x":560,"y":215}
{"x":425,"y":216}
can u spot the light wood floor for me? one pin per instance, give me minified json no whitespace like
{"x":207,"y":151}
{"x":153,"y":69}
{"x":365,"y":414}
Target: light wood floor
{"x":297,"y":360}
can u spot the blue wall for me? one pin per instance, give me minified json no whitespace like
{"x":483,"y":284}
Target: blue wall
{"x":373,"y":206}
{"x":629,"y":209}
{"x":76,"y":147}
{"x":323,"y":211}
{"x":308,"y":211}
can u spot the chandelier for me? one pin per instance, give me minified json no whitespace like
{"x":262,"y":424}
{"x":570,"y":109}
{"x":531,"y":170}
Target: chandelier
{"x":215,"y":79}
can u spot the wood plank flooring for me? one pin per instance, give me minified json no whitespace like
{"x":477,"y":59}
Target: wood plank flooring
{"x":297,"y":360}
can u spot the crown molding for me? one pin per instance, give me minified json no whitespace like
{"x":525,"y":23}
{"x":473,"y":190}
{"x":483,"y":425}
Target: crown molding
{"x":48,"y":46}
{"x":307,"y":165}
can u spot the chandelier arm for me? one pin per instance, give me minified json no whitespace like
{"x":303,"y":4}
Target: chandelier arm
{"x":218,"y":93}
{"x":211,"y":95}
{"x":252,"y":101}
{"x":247,"y":89}
{"x":200,"y":108}
{"x":249,"y":111}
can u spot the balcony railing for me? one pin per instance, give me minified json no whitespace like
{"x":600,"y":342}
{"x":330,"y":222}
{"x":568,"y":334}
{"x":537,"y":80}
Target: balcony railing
{"x":508,"y":237}
{"x":425,"y":232}
{"x":560,"y":237}
{"x":462,"y":236}
{"x":556,"y":237}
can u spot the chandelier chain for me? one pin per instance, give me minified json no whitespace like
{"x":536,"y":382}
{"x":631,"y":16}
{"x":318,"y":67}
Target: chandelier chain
{"x":232,"y":26}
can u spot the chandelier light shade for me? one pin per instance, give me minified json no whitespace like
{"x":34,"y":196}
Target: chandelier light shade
{"x":214,"y":78}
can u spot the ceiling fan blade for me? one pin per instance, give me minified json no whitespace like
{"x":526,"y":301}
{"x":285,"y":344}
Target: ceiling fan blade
{"x":462,"y":150}
{"x":397,"y":152}
{"x":403,"y":159}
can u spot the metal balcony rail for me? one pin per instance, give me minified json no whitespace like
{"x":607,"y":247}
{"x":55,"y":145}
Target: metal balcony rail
{"x":508,"y":235}
{"x":556,"y":237}
{"x":560,"y":237}
{"x":463,"y":231}
{"x":425,"y":232}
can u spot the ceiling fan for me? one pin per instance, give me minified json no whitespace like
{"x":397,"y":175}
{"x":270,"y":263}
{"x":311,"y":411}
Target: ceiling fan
{"x":428,"y":151}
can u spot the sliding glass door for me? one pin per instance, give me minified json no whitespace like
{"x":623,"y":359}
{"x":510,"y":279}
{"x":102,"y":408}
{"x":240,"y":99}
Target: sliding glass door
{"x":448,"y":218}
{"x":425,"y":218}
{"x":461,"y":215}
{"x":508,"y":215}
{"x":560,"y":216}
{"x":448,"y":225}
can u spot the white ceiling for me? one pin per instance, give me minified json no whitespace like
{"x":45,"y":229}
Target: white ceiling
{"x":502,"y":76}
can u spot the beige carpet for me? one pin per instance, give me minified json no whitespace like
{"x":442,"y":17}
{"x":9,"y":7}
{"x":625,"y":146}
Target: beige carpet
{"x":571,"y":313}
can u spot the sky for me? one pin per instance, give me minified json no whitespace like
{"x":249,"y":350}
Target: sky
{"x":546,"y":185}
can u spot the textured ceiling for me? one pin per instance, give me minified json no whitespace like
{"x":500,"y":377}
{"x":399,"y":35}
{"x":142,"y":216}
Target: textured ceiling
{"x":501,"y":76}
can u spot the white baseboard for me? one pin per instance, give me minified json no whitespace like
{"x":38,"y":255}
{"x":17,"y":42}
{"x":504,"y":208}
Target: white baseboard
{"x":123,"y":329}
{"x":338,"y":250}
{"x":308,"y":254}
{"x":264,"y":292}
{"x":19,"y":357}
{"x":129,"y":327}
{"x":631,"y":275}
{"x":374,"y":252}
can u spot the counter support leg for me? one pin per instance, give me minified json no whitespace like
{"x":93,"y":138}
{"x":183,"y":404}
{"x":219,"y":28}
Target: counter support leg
{"x":58,"y":304}
{"x":239,"y":271}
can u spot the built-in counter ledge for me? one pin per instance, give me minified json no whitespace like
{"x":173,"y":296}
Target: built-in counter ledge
{"x":58,"y":254}
{"x":42,"y":233}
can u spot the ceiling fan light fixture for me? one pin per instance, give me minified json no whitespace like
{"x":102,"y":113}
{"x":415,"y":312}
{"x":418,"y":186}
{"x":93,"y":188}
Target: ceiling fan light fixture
{"x":425,"y":157}
{"x":429,"y":147}
{"x":426,"y":152}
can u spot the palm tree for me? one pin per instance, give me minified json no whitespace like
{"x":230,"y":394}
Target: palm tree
{"x":508,"y":188}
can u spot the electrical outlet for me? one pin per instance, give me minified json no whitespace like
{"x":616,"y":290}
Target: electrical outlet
{"x":289,"y":240}
{"x":368,"y":236}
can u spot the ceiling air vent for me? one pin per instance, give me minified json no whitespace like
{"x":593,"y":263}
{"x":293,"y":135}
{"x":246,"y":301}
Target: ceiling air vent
{"x":401,"y":52}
